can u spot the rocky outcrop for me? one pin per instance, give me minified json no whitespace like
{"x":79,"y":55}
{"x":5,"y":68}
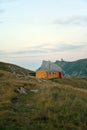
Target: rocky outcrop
{"x":73,"y":69}
{"x":69,"y":69}
{"x":50,"y":66}
{"x":21,"y":90}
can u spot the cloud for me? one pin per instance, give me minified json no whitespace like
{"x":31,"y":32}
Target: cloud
{"x":47,"y":49}
{"x":68,"y":47}
{"x":34,"y":51}
{"x":2,"y":52}
{"x":84,"y":1}
{"x":1,"y":10}
{"x":1,"y":22}
{"x":74,"y":20}
{"x":6,"y":1}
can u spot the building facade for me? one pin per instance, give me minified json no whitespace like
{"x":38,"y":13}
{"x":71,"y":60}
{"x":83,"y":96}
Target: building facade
{"x":47,"y":75}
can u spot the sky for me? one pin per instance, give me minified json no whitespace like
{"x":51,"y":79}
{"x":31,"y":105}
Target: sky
{"x":36,"y":30}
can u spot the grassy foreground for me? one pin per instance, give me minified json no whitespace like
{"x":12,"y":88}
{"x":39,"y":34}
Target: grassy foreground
{"x":47,"y":105}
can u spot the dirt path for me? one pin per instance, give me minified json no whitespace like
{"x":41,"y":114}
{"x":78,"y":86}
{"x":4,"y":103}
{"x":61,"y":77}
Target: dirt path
{"x":79,"y":89}
{"x":84,"y":91}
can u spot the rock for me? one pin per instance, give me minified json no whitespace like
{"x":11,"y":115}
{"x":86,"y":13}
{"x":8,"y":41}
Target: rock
{"x":21,"y":90}
{"x":34,"y":90}
{"x":50,"y":66}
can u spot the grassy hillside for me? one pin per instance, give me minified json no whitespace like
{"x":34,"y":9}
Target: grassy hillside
{"x":76,"y":68}
{"x":16,"y":70}
{"x":75,"y":82}
{"x":60,"y":104}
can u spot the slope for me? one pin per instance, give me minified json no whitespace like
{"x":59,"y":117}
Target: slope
{"x":45,"y":104}
{"x":75,"y":68}
{"x":16,"y":70}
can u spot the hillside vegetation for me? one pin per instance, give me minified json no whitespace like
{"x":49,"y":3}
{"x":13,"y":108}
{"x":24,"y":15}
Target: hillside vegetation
{"x":39,"y":104}
{"x":16,"y":70}
{"x":75,"y":68}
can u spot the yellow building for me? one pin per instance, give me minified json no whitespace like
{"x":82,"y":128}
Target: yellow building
{"x":47,"y":75}
{"x":41,"y":74}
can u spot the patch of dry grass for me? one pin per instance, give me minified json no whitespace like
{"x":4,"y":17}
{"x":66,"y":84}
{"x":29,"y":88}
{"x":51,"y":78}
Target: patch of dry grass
{"x":57,"y":105}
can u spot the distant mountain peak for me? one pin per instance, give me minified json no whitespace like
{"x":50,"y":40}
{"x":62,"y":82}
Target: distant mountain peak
{"x":76,"y":68}
{"x":50,"y":66}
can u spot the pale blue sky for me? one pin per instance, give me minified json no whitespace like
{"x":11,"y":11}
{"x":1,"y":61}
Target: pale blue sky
{"x":36,"y":30}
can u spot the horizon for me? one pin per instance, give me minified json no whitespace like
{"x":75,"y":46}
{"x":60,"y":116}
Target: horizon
{"x":32,"y":31}
{"x":34,"y":69}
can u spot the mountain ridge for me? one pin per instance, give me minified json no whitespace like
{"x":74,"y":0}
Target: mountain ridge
{"x":50,"y":66}
{"x":76,"y":68}
{"x":15,"y":70}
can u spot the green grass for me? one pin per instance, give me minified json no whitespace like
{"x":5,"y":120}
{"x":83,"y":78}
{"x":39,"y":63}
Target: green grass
{"x":75,"y":82}
{"x":53,"y":107}
{"x":4,"y":66}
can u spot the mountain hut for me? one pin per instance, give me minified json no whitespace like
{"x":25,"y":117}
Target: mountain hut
{"x":48,"y":74}
{"x":49,"y":70}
